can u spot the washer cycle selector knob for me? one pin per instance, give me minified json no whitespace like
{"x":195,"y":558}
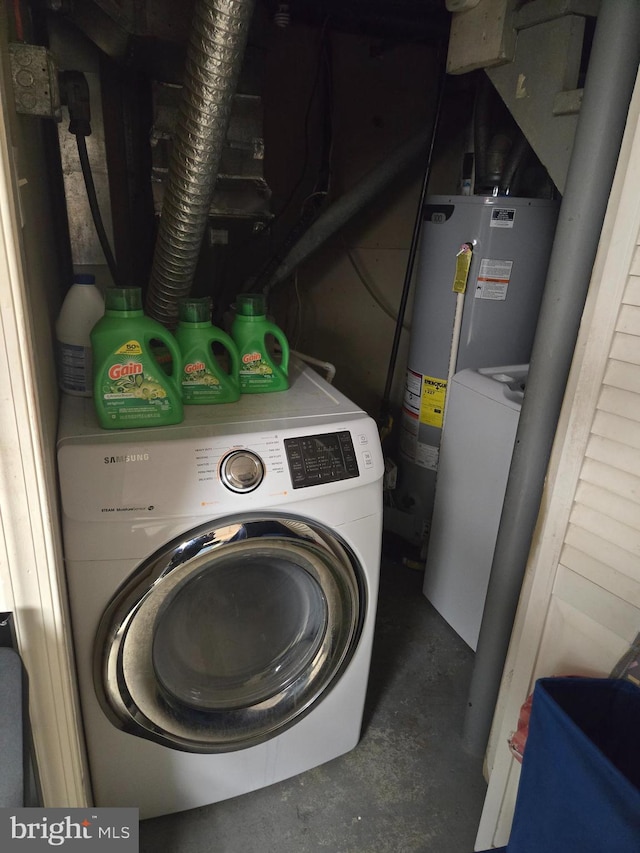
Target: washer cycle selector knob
{"x":241,"y":471}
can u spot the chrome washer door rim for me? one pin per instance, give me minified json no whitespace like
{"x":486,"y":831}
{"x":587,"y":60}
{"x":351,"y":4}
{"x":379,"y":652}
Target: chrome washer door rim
{"x":126,"y":680}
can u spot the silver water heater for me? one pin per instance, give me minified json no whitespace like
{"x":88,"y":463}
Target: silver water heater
{"x":480,"y":274}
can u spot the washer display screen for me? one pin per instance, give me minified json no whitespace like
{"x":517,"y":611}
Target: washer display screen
{"x":316,"y":459}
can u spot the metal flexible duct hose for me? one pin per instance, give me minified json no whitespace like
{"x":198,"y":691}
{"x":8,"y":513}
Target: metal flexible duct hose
{"x":214,"y":58}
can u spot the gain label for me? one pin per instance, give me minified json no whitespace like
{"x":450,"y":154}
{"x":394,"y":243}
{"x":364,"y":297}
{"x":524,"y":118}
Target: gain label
{"x":255,"y":371}
{"x":199,"y":382}
{"x":129,"y":392}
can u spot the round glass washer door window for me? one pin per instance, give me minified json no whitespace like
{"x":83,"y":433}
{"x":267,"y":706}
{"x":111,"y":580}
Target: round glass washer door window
{"x":224,"y":639}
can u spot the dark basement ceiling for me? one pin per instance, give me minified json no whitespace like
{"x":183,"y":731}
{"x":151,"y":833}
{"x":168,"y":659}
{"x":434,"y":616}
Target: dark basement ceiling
{"x":127,"y":30}
{"x":406,"y":20}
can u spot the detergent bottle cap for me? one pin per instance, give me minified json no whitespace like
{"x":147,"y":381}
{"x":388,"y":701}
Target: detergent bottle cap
{"x":84,"y":278}
{"x":195,"y":310}
{"x":251,"y":305}
{"x":123,"y":299}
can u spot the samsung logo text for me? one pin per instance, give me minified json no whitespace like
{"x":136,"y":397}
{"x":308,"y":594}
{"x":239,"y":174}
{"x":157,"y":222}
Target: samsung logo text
{"x":128,"y":457}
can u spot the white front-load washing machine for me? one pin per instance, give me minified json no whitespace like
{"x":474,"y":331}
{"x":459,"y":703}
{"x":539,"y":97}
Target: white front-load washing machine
{"x":223,"y":577}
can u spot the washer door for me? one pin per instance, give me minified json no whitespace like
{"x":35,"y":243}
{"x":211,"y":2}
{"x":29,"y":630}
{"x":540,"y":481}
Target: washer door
{"x":230,"y":634}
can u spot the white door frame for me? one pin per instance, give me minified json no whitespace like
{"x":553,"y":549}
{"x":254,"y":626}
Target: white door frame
{"x":31,"y":577}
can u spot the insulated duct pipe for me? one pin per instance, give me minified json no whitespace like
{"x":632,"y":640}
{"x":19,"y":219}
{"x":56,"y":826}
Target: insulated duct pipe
{"x":214,"y":58}
{"x":352,"y":202}
{"x":611,"y":75}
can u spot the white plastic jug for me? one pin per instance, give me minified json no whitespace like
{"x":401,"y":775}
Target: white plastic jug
{"x":83,"y":306}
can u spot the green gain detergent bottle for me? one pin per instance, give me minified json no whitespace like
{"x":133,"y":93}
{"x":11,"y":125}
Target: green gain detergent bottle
{"x":250,"y":329}
{"x":130,"y":388}
{"x":202,"y":377}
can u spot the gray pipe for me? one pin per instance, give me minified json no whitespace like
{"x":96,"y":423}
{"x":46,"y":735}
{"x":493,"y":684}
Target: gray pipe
{"x":515,"y":158}
{"x":214,"y":58}
{"x":352,"y":202}
{"x":481,"y":129}
{"x":608,"y":87}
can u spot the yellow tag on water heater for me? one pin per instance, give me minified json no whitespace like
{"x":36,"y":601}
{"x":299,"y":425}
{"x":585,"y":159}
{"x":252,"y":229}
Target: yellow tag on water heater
{"x":463,"y":264}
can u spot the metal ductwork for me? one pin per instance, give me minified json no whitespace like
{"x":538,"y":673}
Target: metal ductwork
{"x":214,"y":58}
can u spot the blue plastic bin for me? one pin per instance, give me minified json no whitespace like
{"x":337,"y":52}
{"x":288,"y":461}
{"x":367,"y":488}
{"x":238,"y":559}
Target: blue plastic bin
{"x":579,"y":789}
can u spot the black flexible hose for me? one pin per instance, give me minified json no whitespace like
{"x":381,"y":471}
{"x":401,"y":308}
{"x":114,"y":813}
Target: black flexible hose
{"x":95,"y":210}
{"x":74,"y":93}
{"x":417,"y":225}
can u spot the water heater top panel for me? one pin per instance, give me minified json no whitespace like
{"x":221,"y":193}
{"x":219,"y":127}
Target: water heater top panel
{"x":486,"y":202}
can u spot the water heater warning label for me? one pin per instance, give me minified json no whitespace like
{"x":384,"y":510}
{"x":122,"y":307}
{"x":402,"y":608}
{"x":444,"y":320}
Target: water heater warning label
{"x":413,"y":392}
{"x":502,"y":217}
{"x":427,"y":456}
{"x":493,"y":279}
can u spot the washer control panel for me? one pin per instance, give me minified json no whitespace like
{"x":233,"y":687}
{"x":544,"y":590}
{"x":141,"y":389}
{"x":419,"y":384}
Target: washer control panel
{"x":205,"y":470}
{"x":324,"y":458}
{"x":241,"y":471}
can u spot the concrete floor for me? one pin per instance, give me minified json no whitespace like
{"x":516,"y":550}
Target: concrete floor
{"x":408,"y":787}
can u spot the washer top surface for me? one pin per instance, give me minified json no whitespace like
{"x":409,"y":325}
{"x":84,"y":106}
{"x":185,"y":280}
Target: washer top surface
{"x":310,"y":401}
